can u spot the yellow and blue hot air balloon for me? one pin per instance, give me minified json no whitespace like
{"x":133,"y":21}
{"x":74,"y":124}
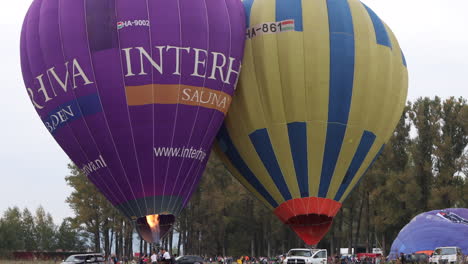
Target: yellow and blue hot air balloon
{"x":323,"y":85}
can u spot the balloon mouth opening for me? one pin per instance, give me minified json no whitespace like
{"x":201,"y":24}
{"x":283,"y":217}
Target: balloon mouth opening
{"x":309,"y":217}
{"x":309,"y":220}
{"x":311,"y":228}
{"x":152,"y":228}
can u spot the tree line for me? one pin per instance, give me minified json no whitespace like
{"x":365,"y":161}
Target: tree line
{"x":21,"y":230}
{"x":423,"y":167}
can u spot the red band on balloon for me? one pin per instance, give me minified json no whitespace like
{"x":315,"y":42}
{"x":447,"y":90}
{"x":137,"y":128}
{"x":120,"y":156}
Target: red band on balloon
{"x":309,"y":217}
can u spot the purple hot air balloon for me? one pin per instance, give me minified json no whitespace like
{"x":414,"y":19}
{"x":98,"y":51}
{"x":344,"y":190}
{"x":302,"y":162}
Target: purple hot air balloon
{"x":134,"y":91}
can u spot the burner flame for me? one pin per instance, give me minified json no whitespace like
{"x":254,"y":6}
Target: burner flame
{"x":152,"y":228}
{"x":153,"y":222}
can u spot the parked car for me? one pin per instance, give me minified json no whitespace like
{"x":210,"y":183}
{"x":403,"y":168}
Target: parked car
{"x":189,"y":260}
{"x":306,"y":256}
{"x":417,"y":258}
{"x":447,"y":255}
{"x":94,"y":258}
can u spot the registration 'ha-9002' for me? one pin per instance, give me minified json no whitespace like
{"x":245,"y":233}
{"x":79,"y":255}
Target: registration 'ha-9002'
{"x":133,"y":23}
{"x":270,"y":28}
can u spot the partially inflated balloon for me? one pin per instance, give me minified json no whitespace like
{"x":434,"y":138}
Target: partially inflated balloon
{"x":135,"y":91}
{"x":429,"y":230}
{"x":323,"y":85}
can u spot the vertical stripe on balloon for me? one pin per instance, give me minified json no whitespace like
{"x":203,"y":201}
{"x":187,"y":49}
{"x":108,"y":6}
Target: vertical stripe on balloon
{"x":298,"y":140}
{"x":342,"y":59}
{"x":262,"y":143}
{"x":101,"y":24}
{"x":381,"y":33}
{"x":227,"y":146}
{"x":290,"y":9}
{"x":365,"y":172}
{"x":367,"y":140}
{"x":333,"y":143}
{"x":248,"y":9}
{"x":403,"y":58}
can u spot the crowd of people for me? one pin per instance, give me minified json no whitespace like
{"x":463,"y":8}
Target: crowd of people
{"x":239,"y":260}
{"x":163,"y":257}
{"x":353,"y":259}
{"x":157,"y":257}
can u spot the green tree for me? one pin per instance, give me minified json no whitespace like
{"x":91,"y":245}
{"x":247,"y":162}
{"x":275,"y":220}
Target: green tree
{"x":29,"y":228}
{"x":449,"y":154}
{"x":69,"y":238}
{"x":44,"y":230}
{"x":425,"y":116}
{"x":88,"y":204}
{"x":11,"y":231}
{"x":464,"y":117}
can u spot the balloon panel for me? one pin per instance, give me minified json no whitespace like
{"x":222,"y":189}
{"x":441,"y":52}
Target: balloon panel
{"x":134,"y":91}
{"x":323,"y":86}
{"x":429,"y":230}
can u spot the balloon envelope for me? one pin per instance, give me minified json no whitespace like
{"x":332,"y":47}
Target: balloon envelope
{"x":429,"y":230}
{"x":134,"y":91}
{"x":323,"y":86}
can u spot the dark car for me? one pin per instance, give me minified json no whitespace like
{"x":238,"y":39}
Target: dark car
{"x":417,"y":258}
{"x":189,"y":260}
{"x":94,"y":258}
{"x":421,"y":257}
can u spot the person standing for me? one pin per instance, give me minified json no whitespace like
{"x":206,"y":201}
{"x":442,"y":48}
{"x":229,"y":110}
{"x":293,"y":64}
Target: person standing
{"x":166,"y":257}
{"x":402,"y":258}
{"x":154,"y":258}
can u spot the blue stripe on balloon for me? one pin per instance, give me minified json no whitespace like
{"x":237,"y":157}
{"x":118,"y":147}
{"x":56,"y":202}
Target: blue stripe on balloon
{"x":89,"y":104}
{"x":298,"y":140}
{"x":333,"y":142}
{"x":370,"y":166}
{"x":367,"y":140}
{"x":403,"y":58}
{"x":381,"y":33}
{"x":342,"y":56}
{"x":71,"y":111}
{"x":248,"y":9}
{"x":227,"y":146}
{"x":290,"y":9}
{"x":262,"y":143}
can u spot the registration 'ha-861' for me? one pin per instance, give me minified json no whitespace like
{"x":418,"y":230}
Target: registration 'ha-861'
{"x":270,"y":28}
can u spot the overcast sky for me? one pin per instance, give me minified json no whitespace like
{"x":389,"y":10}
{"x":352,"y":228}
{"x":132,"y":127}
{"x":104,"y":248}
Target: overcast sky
{"x":432,"y":33}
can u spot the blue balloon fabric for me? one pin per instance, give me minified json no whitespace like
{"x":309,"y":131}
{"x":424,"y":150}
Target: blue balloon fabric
{"x":438,"y":228}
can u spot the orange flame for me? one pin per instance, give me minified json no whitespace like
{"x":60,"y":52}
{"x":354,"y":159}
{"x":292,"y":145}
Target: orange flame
{"x":153,"y":221}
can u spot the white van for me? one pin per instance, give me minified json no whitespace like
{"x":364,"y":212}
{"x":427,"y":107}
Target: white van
{"x":377,"y":251}
{"x":306,"y":256}
{"x":448,"y":255}
{"x":344,"y":252}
